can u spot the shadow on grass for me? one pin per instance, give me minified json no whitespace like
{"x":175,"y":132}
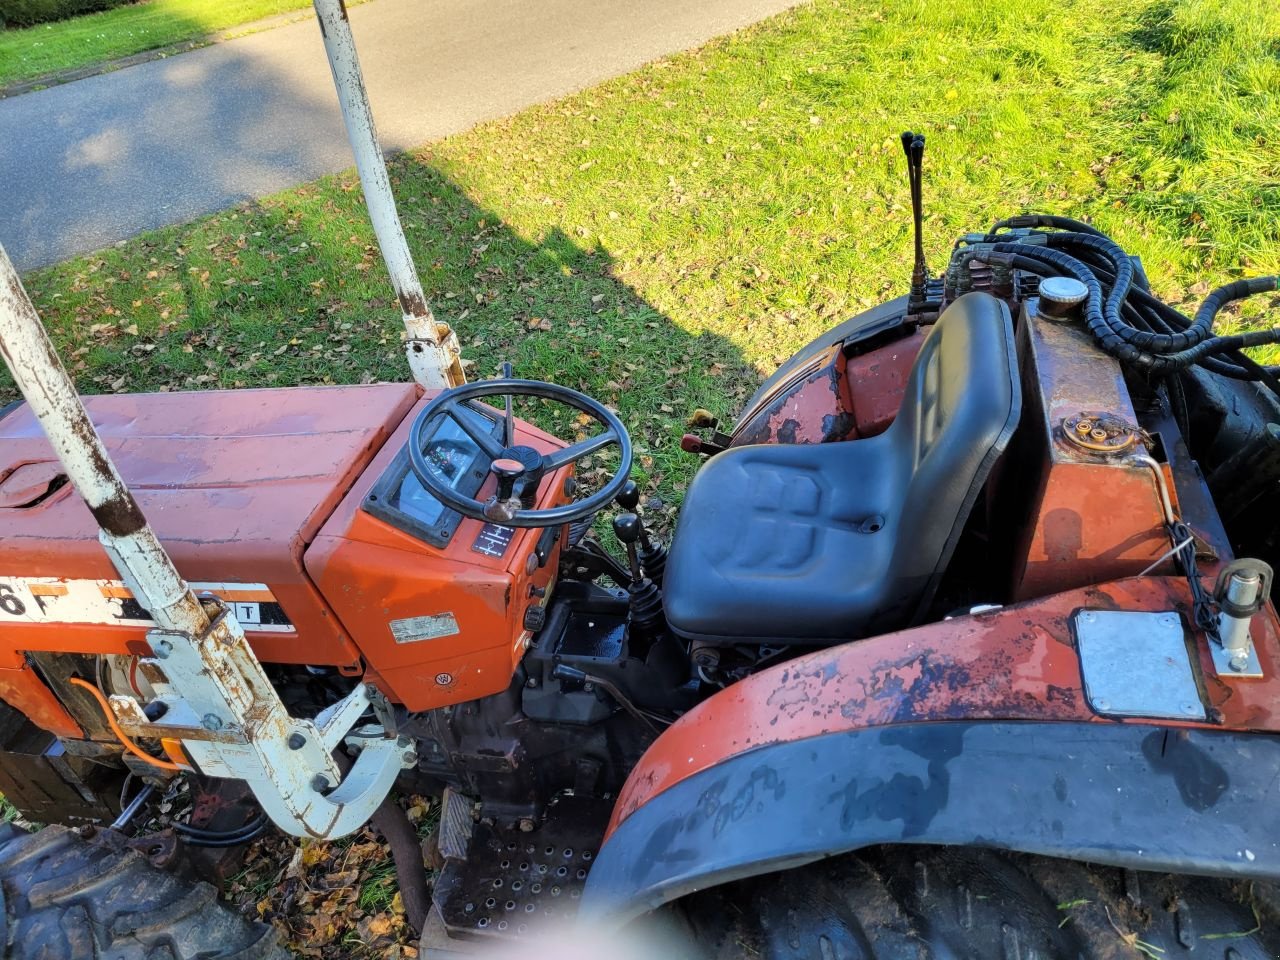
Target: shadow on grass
{"x":292,"y":290}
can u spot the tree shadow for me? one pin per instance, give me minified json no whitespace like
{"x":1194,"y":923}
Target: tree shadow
{"x":292,"y":290}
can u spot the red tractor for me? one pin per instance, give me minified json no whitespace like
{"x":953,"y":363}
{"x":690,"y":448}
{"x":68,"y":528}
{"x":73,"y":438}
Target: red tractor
{"x":962,"y":645}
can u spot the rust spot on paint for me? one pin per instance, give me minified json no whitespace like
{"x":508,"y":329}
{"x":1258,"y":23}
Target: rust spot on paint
{"x":412,"y":303}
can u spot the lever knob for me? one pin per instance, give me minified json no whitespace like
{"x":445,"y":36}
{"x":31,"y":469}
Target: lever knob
{"x":626,"y":527}
{"x":628,"y":497}
{"x":508,"y":472}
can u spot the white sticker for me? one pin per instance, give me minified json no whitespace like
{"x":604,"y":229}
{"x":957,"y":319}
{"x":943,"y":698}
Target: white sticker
{"x":414,"y":629}
{"x":110,"y":602}
{"x":247,"y":612}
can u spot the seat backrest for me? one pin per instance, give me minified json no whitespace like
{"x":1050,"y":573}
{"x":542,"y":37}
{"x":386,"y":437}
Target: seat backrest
{"x":962,"y":404}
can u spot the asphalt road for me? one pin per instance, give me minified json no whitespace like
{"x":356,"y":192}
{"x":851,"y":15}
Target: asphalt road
{"x":92,"y":162}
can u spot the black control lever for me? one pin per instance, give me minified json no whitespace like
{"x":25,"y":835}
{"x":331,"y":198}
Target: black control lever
{"x":913,"y":147}
{"x":647,"y":618}
{"x":508,"y":371}
{"x":652,"y":553}
{"x":502,"y":506}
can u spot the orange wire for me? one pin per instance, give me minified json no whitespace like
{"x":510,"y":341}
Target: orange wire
{"x":115,"y":728}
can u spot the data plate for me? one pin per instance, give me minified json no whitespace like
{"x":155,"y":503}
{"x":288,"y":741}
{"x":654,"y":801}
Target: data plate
{"x":1137,"y":665}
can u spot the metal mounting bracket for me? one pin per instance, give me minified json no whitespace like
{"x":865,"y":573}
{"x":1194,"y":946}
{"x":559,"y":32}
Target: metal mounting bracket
{"x":1229,"y":665}
{"x":233,"y":724}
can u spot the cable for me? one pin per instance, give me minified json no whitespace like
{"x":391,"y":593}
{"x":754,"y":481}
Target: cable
{"x":120,"y":734}
{"x":200,"y":837}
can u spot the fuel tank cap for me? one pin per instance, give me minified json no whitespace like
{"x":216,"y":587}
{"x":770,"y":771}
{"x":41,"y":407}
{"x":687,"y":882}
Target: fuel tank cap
{"x":1059,"y":297}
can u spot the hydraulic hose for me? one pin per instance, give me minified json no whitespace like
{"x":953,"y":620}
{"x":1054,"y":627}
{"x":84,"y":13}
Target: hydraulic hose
{"x":200,"y":837}
{"x":1155,"y":350}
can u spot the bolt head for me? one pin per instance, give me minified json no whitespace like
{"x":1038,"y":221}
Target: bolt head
{"x":211,"y":721}
{"x":526,"y":825}
{"x":319,"y":783}
{"x":1239,"y":663}
{"x":162,"y":649}
{"x":296,"y":741}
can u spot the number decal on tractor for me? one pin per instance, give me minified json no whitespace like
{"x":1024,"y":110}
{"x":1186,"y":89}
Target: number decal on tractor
{"x":110,"y":602}
{"x":10,"y":602}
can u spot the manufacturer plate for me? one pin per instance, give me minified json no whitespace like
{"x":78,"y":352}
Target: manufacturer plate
{"x":416,"y":629}
{"x":1137,"y":665}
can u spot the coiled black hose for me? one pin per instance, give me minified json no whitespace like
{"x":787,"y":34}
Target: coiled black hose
{"x":1126,"y":320}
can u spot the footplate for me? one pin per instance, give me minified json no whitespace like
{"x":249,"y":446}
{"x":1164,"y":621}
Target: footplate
{"x":513,"y":883}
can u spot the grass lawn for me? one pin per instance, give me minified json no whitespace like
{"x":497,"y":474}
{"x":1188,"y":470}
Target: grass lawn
{"x":664,"y":240}
{"x":48,"y":47}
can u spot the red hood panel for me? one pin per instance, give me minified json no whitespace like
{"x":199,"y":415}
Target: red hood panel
{"x":235,"y":483}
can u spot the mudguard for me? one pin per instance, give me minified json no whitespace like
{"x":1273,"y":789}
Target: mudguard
{"x":972,"y":731}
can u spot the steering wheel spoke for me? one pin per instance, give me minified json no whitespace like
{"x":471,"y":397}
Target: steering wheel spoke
{"x":576,"y":451}
{"x":482,"y":438}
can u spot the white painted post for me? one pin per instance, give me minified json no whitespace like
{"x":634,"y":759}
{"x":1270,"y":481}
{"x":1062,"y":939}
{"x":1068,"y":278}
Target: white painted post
{"x":123,"y":530}
{"x":432,"y":348}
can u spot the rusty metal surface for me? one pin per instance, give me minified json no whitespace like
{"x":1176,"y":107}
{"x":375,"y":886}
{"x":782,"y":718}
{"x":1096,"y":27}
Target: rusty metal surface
{"x":1092,"y":515}
{"x":1017,"y":663}
{"x":835,"y":398}
{"x":812,"y":409}
{"x":235,"y":484}
{"x":25,"y":484}
{"x":877,"y":380}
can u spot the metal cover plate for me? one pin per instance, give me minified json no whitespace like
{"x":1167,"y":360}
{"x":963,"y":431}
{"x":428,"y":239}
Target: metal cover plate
{"x":1137,"y":665}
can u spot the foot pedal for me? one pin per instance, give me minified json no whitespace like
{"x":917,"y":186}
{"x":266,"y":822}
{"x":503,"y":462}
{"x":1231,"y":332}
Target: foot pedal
{"x":511,"y":883}
{"x":456,"y":825}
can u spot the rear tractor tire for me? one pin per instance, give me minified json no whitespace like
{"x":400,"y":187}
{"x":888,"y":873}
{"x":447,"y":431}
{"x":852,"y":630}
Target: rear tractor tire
{"x":67,"y":898}
{"x":939,"y":903}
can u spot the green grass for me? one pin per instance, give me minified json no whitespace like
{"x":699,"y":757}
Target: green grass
{"x":683,"y":229}
{"x":67,"y":44}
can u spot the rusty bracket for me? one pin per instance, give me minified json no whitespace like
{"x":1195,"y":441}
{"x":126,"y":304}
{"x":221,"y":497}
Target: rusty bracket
{"x":232,"y":724}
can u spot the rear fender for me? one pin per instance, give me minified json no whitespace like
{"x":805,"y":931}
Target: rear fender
{"x":975,"y":730}
{"x":1149,"y":798}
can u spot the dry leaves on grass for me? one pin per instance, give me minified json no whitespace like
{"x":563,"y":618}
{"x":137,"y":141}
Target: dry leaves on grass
{"x":332,"y":900}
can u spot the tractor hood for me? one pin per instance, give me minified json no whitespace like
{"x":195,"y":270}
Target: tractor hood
{"x":235,"y":484}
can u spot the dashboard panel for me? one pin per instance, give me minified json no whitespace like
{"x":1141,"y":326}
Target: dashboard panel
{"x":399,"y":498}
{"x":445,"y":621}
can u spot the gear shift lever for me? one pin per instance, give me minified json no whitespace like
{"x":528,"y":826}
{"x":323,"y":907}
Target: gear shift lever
{"x":647,"y":617}
{"x":652,"y":554}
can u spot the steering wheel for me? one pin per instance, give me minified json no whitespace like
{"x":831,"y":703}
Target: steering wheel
{"x":519,"y":469}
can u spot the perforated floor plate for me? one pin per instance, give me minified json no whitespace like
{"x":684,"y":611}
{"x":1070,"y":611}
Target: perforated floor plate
{"x":511,"y":883}
{"x":1137,"y":665}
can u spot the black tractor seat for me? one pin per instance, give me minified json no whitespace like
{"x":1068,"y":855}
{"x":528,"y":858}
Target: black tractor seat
{"x":821,"y":543}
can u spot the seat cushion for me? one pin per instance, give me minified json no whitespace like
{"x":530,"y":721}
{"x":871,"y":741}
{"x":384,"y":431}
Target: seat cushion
{"x":819,"y":543}
{"x":783,"y":543}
